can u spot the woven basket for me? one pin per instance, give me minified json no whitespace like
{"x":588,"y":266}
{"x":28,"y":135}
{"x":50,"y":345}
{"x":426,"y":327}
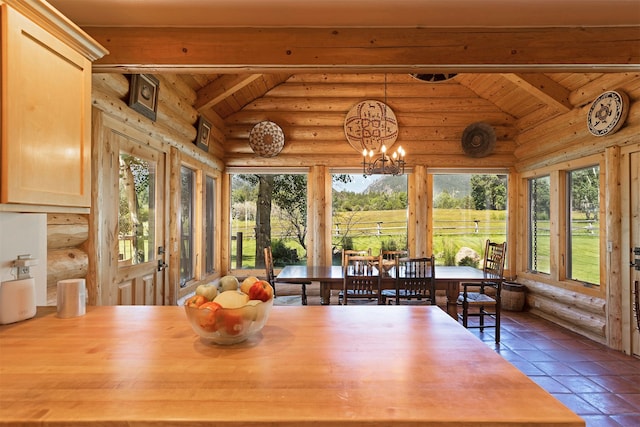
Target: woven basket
{"x":512,"y":296}
{"x":266,"y":139}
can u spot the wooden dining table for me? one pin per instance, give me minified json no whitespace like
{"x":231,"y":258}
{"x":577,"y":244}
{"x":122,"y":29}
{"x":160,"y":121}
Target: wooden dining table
{"x":448,"y":278}
{"x":310,"y":366}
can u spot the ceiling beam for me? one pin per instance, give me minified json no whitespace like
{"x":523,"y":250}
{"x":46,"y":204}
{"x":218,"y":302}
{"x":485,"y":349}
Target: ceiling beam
{"x":544,"y":88}
{"x":221,"y":88}
{"x":294,"y":50}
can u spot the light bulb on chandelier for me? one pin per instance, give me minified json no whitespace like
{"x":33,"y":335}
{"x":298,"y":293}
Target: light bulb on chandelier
{"x":383,"y":164}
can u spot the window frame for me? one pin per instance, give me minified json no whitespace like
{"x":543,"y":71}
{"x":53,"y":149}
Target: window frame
{"x":558,"y":213}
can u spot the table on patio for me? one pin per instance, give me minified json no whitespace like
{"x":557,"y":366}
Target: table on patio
{"x":330,"y":278}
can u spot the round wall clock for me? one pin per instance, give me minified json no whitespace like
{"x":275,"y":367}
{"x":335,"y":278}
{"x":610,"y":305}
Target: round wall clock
{"x":608,"y":113}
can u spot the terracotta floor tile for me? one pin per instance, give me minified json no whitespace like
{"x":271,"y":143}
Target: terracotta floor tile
{"x":549,"y":384}
{"x":626,"y":420}
{"x":609,"y":403}
{"x":600,"y":421}
{"x":616,"y":384}
{"x":576,"y":404}
{"x":555,"y":368}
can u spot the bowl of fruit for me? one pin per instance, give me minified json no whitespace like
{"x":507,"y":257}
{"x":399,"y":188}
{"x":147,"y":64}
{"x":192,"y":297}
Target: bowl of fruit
{"x":230,"y":312}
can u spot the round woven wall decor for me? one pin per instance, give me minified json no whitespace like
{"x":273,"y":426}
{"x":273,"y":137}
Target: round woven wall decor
{"x":370,"y":124}
{"x":266,"y":139}
{"x":478,"y":140}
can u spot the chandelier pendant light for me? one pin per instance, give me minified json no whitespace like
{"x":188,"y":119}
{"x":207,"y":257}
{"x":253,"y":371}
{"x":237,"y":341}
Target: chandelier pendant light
{"x":383,"y":164}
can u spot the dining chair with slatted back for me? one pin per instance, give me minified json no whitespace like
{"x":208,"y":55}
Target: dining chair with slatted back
{"x":271,"y":277}
{"x":389,"y":259}
{"x":475,"y":299}
{"x":361,"y":279}
{"x":352,"y":252}
{"x":415,"y":282}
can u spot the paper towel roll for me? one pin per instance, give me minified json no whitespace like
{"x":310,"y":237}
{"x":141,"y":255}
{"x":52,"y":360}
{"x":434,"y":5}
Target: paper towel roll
{"x":72,"y":294}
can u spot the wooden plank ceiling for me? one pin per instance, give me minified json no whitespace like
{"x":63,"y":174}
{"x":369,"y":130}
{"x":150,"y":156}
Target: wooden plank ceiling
{"x":516,"y":64}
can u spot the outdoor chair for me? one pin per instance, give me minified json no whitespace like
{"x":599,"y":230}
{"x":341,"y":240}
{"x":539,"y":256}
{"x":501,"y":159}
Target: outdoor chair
{"x":476,"y":302}
{"x":361,"y":279}
{"x":271,"y":278}
{"x":415,"y":282}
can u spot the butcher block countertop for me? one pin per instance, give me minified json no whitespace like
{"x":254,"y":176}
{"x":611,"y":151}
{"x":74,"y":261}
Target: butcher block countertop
{"x":316,"y":365}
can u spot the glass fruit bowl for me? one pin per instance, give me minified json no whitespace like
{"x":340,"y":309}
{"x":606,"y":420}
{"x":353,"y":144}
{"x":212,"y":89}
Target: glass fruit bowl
{"x":229,"y":325}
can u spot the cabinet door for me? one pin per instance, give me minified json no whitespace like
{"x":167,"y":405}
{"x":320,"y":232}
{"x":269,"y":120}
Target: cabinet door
{"x":46,"y":117}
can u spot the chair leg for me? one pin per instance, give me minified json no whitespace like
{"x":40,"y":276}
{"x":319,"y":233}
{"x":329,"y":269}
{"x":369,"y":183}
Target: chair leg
{"x":304,"y":294}
{"x":481,"y":318}
{"x":497,"y":323}
{"x":465,"y":313}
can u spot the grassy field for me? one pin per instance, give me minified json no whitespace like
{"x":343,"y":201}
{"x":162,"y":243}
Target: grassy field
{"x":453,"y":229}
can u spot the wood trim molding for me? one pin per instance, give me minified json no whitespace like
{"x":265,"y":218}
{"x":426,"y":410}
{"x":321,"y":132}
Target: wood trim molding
{"x":262,"y":50}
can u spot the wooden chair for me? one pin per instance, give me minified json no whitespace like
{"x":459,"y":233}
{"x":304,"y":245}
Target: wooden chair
{"x":351,"y":252}
{"x":389,"y":259}
{"x":474,"y":295}
{"x":361,"y":279}
{"x":415,"y":282}
{"x":271,"y":278}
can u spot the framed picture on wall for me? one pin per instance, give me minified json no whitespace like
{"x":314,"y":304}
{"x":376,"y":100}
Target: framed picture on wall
{"x":143,"y":95}
{"x":204,"y":133}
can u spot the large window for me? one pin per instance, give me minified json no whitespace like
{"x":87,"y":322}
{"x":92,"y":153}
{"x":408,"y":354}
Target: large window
{"x":187,"y":240}
{"x":210,"y":224}
{"x":369,"y":213}
{"x":539,"y":225}
{"x":583,"y":232}
{"x":268,"y":210}
{"x":468,"y":209}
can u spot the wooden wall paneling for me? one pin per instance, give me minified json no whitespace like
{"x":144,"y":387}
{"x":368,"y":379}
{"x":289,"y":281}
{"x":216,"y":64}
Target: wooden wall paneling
{"x":419,"y":195}
{"x":555,"y":215}
{"x":613,"y":241}
{"x":513,"y":181}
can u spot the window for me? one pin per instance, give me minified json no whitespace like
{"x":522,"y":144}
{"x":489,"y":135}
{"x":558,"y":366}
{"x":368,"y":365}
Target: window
{"x":539,"y":226}
{"x":268,"y":210}
{"x":210,"y":222}
{"x":468,"y":209}
{"x":583,"y":232}
{"x":136,"y":220}
{"x":369,"y":213}
{"x":187,"y":243}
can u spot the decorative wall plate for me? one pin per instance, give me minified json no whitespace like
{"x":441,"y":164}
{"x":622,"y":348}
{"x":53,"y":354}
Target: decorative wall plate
{"x":608,"y":113}
{"x":266,"y":139}
{"x":370,"y":124}
{"x":478,"y":139}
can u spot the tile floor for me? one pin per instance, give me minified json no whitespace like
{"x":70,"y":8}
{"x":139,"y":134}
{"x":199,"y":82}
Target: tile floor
{"x":599,"y":384}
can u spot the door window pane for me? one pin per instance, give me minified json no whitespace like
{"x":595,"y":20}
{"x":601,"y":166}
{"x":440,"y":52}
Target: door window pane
{"x":468,"y":209}
{"x":137,"y":215}
{"x":369,"y":213}
{"x":187,"y":202}
{"x":584,"y":231}
{"x":539,"y":225}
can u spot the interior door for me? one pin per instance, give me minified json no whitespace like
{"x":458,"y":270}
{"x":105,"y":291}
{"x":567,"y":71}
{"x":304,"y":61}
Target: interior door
{"x":142,"y":233}
{"x":634,"y":252}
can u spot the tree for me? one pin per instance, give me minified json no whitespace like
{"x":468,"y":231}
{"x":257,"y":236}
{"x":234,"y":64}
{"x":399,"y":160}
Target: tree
{"x":585,"y":189}
{"x":489,"y":192}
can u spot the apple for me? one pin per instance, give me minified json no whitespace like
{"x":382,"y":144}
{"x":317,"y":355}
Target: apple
{"x":209,"y":291}
{"x":247,"y":283}
{"x":261,"y":290}
{"x":207,"y":319}
{"x":195,"y":301}
{"x":229,"y":283}
{"x":231,"y":299}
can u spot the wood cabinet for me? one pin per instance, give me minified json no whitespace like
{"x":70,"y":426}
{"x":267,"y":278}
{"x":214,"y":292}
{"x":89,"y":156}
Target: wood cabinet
{"x":46,"y":107}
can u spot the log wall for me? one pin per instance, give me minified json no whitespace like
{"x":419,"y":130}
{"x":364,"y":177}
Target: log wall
{"x":559,"y":144}
{"x":67,"y":257}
